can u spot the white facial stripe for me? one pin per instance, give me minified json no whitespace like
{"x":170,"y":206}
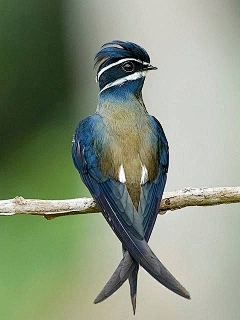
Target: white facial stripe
{"x":144,"y":177}
{"x":121,"y":175}
{"x":116,"y":63}
{"x":119,"y":82}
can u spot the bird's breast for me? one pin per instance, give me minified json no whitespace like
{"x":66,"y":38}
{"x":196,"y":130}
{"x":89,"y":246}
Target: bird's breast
{"x":129,"y":151}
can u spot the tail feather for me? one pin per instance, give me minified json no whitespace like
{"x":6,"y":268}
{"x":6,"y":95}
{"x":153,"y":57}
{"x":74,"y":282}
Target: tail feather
{"x":148,"y":260}
{"x":140,"y":252}
{"x":120,"y":275}
{"x":126,"y":269}
{"x":133,"y":286}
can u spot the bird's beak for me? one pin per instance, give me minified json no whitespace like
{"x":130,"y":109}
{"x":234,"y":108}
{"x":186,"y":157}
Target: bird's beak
{"x":149,"y":67}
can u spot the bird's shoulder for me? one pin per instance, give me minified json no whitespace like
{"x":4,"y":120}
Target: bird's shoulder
{"x":87,"y":143}
{"x":88,"y":128}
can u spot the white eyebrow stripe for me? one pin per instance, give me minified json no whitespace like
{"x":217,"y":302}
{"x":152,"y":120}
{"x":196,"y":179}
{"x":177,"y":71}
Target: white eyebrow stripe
{"x":116,"y":63}
{"x":119,"y":82}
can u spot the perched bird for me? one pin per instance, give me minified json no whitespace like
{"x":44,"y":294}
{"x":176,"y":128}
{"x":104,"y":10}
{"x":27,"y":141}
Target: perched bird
{"x":121,"y":153}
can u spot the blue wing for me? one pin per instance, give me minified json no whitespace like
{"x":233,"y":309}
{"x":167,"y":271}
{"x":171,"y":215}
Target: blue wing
{"x":109,"y":193}
{"x":115,"y":203}
{"x":152,"y":192}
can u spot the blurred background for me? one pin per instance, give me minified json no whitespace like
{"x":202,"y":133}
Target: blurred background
{"x":54,"y":269}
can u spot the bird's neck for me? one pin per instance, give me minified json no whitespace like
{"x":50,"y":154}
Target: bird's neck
{"x":110,"y":103}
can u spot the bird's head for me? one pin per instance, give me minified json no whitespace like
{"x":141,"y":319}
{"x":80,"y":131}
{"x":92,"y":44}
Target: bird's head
{"x":122,"y":68}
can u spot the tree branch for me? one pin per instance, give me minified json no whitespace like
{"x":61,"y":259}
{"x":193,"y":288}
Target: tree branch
{"x":174,"y":200}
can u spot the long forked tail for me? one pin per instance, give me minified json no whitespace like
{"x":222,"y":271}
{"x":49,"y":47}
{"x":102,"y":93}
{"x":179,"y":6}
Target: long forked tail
{"x":126,"y":269}
{"x":139,"y":251}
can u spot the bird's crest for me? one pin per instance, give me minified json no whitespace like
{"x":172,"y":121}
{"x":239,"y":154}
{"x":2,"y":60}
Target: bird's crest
{"x":115,"y":50}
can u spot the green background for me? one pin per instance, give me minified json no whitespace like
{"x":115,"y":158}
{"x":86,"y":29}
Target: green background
{"x":39,"y":259}
{"x":54,"y":269}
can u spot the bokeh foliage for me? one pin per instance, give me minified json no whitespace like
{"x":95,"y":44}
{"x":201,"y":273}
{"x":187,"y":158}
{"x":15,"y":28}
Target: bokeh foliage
{"x":36,"y":128}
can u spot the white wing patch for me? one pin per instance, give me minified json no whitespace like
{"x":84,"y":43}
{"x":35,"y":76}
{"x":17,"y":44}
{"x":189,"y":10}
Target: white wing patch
{"x":144,"y":176}
{"x":121,"y":175}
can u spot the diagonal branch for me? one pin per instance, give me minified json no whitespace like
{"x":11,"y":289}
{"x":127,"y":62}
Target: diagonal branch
{"x":174,"y":200}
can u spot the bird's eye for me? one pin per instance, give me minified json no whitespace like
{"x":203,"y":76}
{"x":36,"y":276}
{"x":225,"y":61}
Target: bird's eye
{"x":128,"y":66}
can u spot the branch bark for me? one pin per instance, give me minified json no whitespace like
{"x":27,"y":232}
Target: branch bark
{"x":174,"y":200}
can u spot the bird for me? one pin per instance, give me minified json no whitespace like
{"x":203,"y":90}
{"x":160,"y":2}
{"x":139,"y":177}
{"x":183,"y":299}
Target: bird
{"x":122,"y":156}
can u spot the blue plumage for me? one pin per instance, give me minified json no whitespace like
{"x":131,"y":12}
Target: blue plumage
{"x":121,"y":153}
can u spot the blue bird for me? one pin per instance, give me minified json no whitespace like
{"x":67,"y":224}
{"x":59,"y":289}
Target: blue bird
{"x":121,"y":154}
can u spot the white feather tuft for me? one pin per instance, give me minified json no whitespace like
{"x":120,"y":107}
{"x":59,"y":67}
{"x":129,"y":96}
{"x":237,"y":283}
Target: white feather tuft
{"x":144,"y":176}
{"x":121,"y":175}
